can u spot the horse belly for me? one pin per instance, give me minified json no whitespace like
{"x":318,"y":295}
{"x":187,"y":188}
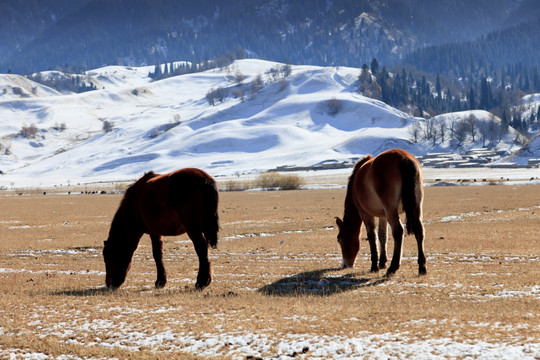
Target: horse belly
{"x":167,"y":229}
{"x":164,"y":223}
{"x":373,"y":210}
{"x":369,"y":202}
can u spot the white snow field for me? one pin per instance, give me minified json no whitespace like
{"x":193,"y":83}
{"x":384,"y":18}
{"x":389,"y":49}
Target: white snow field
{"x":169,"y":124}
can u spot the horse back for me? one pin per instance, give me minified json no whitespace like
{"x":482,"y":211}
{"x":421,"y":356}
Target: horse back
{"x":380,"y":182}
{"x":175,"y":203}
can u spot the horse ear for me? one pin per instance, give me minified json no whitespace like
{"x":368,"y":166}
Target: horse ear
{"x":339,"y":222}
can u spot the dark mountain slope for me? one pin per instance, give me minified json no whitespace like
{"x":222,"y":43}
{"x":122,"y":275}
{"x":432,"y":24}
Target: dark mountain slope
{"x":93,"y":33}
{"x":21,"y":21}
{"x":519,"y":44}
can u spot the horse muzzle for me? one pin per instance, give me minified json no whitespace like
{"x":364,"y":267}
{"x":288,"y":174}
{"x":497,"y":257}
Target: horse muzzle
{"x":347,"y":264}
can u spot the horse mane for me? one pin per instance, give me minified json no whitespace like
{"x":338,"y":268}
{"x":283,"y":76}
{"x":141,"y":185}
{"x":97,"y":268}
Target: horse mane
{"x":125,"y":204}
{"x":147,"y":176}
{"x":357,"y":167}
{"x":350,"y":183}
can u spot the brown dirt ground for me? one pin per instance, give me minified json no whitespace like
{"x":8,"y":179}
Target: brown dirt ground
{"x":276,"y":279}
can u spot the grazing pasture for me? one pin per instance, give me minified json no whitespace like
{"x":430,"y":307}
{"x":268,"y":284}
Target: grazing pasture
{"x":277,"y":290}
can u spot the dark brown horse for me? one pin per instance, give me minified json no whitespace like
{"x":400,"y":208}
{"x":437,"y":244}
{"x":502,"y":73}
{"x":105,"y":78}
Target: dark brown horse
{"x":184,"y":201}
{"x":383,"y":187}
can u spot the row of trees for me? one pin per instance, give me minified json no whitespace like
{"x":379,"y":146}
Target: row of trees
{"x":277,"y":73}
{"x":64,"y":82}
{"x":163,"y":71}
{"x":459,"y":130}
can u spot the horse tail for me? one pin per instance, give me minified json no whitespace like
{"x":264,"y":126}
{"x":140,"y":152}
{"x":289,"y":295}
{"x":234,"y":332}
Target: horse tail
{"x":411,"y":178}
{"x":210,"y":213}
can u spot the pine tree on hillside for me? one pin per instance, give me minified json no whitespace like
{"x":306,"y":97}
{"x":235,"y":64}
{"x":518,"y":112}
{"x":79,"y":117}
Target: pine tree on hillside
{"x":485,"y":95}
{"x":375,"y":67}
{"x":472,"y":102}
{"x":438,"y":87}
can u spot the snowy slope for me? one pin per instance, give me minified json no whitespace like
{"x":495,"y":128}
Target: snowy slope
{"x":168,"y":124}
{"x":14,"y":87}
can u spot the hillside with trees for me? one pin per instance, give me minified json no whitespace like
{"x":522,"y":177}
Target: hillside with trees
{"x":424,"y":95}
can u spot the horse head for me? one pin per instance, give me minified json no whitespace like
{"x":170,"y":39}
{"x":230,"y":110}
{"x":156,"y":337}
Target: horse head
{"x":117,"y":264}
{"x":349,"y":241}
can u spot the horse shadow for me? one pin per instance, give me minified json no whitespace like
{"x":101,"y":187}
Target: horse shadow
{"x":100,"y":290}
{"x":323,"y":282}
{"x":103,"y":290}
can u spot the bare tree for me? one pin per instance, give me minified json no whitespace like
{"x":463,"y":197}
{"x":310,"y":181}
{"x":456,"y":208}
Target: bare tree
{"x":257,"y":85}
{"x":218,"y":94}
{"x":239,"y":78}
{"x":108,"y":126}
{"x":460,"y":132}
{"x":472,"y":125}
{"x":415,"y":131}
{"x":334,"y":106}
{"x":430,"y":131}
{"x":489,"y":131}
{"x":495,"y":129}
{"x":442,"y":127}
{"x":29,"y":132}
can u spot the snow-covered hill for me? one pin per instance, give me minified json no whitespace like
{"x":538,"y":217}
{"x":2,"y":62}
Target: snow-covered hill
{"x":313,"y":116}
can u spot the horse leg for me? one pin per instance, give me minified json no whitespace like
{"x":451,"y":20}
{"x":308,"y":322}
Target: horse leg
{"x":157,"y":251}
{"x":383,"y":258}
{"x":372,"y":238}
{"x":397,"y":234}
{"x":204,"y":276}
{"x":419,"y":234}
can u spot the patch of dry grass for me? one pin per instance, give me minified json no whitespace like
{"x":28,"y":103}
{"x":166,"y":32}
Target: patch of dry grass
{"x":275,"y":180}
{"x":277,"y":289}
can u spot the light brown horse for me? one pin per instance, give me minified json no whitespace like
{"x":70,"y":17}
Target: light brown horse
{"x":383,"y":187}
{"x":184,"y":201}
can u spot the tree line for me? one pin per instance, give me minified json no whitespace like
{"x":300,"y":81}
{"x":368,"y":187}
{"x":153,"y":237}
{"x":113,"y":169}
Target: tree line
{"x":64,"y":82}
{"x":163,"y":71}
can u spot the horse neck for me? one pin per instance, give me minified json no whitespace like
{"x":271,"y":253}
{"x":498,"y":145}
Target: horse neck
{"x":122,"y":229}
{"x":351,"y":218}
{"x":117,"y":223}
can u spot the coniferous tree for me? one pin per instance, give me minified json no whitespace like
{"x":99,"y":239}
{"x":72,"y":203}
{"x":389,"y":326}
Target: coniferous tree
{"x":438,"y":87}
{"x":375,"y":67}
{"x":485,"y":94}
{"x":505,"y":122}
{"x":385,"y":86}
{"x":472,"y":102}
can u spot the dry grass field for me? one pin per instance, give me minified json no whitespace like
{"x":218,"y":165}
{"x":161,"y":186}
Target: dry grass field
{"x":277,"y":289}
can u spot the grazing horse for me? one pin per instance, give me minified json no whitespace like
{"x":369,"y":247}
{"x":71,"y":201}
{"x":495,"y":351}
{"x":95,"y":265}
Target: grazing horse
{"x":383,"y":186}
{"x":184,"y":201}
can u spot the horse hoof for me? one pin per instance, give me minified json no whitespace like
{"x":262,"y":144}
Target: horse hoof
{"x":422,"y":272}
{"x":200,"y":285}
{"x":391,"y":272}
{"x":160,"y":284}
{"x":374,"y":270}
